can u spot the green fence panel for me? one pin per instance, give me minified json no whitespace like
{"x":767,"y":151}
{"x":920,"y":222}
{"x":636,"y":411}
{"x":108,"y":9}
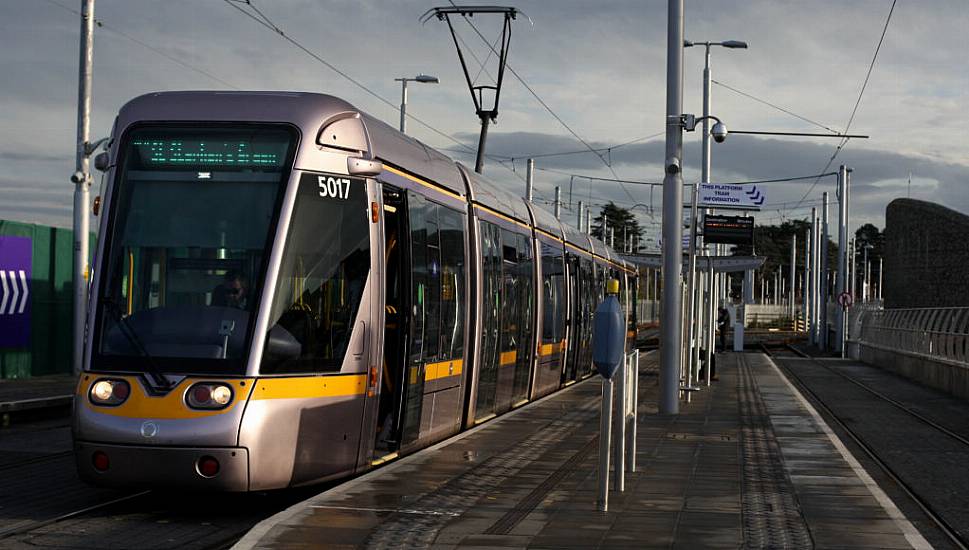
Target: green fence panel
{"x":51,"y":303}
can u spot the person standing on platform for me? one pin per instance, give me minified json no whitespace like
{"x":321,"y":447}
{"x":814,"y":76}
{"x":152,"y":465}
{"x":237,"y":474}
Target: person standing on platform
{"x":723,"y":322}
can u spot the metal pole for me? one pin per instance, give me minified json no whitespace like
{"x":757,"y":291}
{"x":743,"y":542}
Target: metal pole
{"x":479,"y":162}
{"x":403,"y":105}
{"x":82,"y":181}
{"x":558,"y":203}
{"x":588,"y":221}
{"x":619,"y":453}
{"x":579,"y":216}
{"x":812,"y":277}
{"x":612,"y":237}
{"x":691,"y":287}
{"x":605,"y":428}
{"x":633,"y":380}
{"x":711,"y":320}
{"x":823,"y":273}
{"x":806,"y":280}
{"x":791,"y":307}
{"x":671,"y":324}
{"x":852,"y":270}
{"x":530,"y":181}
{"x":816,"y":280}
{"x":867,"y":276}
{"x":880,"y":265}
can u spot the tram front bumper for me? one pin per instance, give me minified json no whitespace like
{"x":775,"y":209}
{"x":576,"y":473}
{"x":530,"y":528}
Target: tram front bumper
{"x":130,"y":466}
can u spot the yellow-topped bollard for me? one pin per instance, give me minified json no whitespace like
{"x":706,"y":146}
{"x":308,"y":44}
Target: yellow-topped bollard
{"x":612,"y":286}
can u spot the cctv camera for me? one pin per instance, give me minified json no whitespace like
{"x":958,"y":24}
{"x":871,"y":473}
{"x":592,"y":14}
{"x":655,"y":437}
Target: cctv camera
{"x":672,"y":166}
{"x":719,"y":132}
{"x":78,"y":177}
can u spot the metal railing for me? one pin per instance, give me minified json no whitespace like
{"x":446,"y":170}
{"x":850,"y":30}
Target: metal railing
{"x":768,"y":316}
{"x":647,"y":311}
{"x":937,"y":333}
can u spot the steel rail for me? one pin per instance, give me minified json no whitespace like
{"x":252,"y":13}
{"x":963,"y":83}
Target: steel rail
{"x":43,"y":523}
{"x":923,"y":504}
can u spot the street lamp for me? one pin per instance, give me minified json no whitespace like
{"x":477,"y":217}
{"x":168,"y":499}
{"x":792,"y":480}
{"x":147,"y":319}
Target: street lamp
{"x":719,"y":134}
{"x":423,"y":79}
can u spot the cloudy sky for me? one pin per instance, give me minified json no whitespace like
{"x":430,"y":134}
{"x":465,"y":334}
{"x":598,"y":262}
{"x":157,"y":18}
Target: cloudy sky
{"x":599,"y":66}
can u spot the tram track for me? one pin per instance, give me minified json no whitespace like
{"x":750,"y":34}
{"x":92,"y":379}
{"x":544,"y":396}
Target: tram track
{"x":935,"y":516}
{"x":20,"y":530}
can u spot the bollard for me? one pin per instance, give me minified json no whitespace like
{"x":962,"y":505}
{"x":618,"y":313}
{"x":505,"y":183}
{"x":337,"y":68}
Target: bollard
{"x":608,"y":352}
{"x":605,"y":427}
{"x":633,"y":392}
{"x":619,"y":454}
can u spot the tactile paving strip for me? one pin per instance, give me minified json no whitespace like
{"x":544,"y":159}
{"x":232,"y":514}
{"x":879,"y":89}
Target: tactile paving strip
{"x":772,"y":518}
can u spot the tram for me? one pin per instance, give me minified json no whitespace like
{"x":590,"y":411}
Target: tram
{"x":287,"y":290}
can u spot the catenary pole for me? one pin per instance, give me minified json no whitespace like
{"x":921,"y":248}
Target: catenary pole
{"x":791,"y":307}
{"x":671,"y":325}
{"x":841,"y":284}
{"x":823,"y":275}
{"x":812,"y":277}
{"x":82,"y":181}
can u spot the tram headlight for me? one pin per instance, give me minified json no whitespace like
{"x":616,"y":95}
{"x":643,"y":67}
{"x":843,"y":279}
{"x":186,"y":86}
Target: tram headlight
{"x":109,"y":392}
{"x":209,"y":396}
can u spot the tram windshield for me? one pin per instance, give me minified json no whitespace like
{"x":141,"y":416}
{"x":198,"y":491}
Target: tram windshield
{"x":191,"y":227}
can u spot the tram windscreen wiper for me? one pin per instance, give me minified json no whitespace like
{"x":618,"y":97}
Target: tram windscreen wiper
{"x":131,"y":335}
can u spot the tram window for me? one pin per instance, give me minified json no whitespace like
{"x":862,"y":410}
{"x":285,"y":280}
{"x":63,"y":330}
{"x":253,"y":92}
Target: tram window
{"x":526,"y":298}
{"x":437,"y":255}
{"x":553,"y":295}
{"x":432,"y":295}
{"x":325,"y":266}
{"x":190,"y":222}
{"x":418,"y":212}
{"x":452,"y":226}
{"x":510,"y":307}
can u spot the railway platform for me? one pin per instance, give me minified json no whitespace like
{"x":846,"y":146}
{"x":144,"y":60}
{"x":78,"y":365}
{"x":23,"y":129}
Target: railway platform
{"x":747,"y":463}
{"x":36,"y":395}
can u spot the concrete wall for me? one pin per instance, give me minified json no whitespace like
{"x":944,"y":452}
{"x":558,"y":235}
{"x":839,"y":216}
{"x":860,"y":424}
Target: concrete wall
{"x":947,"y":376}
{"x":926,"y":255}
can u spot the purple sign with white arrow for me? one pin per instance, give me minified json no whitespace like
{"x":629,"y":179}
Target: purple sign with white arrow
{"x":15,"y":262}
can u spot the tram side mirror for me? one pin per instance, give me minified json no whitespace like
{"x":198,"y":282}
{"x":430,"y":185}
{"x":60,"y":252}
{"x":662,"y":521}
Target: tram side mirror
{"x":281,"y":346}
{"x":357,"y":166}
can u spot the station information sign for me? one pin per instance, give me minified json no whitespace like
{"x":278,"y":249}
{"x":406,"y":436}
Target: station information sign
{"x":728,"y":229}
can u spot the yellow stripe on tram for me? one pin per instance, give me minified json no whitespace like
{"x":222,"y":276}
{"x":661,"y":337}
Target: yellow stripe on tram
{"x":306,"y":387}
{"x":443,"y":369}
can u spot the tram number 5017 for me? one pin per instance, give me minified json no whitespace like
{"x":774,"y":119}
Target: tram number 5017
{"x":337,"y":188}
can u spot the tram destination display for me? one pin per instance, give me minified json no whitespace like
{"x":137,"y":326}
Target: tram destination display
{"x":728,"y":229}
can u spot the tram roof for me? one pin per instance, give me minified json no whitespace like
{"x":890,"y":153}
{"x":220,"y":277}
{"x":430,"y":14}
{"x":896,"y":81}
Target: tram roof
{"x":389,"y":145}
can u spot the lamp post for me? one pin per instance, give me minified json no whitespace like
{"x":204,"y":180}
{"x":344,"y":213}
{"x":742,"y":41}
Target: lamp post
{"x":704,"y":178}
{"x":866,"y":287}
{"x":423,"y":79}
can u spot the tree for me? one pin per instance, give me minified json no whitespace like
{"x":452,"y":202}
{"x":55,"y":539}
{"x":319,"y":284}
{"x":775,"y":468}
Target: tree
{"x":623,"y":222}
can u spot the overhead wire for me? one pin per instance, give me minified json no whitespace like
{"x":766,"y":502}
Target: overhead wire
{"x":262,"y":19}
{"x":769,"y":104}
{"x":861,"y":93}
{"x":101,"y":24}
{"x":545,"y":105}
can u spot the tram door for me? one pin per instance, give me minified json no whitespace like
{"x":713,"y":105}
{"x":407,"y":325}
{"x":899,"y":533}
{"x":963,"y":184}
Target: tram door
{"x":575,"y":319}
{"x":402,"y":386}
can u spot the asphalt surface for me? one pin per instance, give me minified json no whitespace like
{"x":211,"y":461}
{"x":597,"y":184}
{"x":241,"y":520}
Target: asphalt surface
{"x":44,"y":504}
